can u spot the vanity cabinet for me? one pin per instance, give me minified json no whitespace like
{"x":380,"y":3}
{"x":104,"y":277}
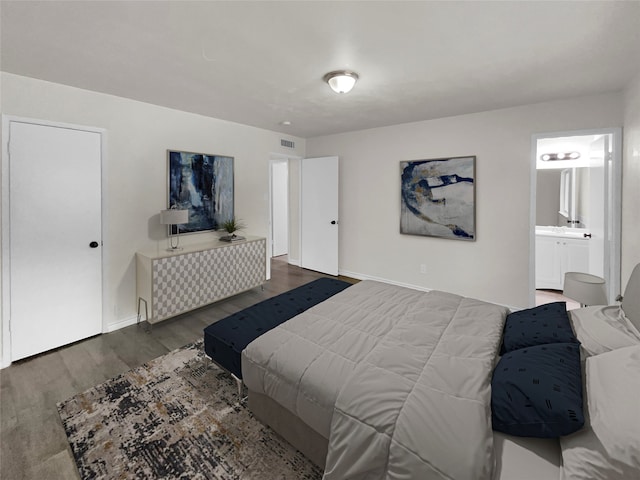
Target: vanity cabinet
{"x":557,"y":255}
{"x":173,"y":283}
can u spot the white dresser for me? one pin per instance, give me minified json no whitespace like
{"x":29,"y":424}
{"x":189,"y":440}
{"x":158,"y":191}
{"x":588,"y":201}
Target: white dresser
{"x":173,"y":283}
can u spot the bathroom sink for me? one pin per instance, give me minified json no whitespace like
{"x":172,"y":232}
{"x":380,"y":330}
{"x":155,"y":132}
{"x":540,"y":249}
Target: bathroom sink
{"x":553,"y":231}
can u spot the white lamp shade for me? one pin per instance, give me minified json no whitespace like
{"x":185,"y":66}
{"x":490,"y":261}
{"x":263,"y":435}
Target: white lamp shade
{"x":174,"y":216}
{"x":585,"y":288}
{"x":341,"y":81}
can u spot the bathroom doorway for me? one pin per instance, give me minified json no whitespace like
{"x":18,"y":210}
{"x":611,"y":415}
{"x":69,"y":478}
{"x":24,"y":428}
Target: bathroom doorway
{"x":279,"y":207}
{"x":575,"y":210}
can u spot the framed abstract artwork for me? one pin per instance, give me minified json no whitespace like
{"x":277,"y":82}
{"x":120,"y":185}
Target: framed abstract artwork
{"x":202,"y":184}
{"x":438,"y":198}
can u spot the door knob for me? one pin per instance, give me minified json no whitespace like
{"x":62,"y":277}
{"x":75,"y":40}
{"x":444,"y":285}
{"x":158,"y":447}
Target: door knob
{"x":94,"y":244}
{"x":333,"y":222}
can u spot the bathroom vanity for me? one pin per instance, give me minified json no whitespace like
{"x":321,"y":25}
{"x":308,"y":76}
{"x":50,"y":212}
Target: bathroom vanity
{"x":560,"y":250}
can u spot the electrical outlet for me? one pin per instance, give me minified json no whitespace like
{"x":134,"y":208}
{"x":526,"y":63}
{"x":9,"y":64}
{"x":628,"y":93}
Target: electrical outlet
{"x":423,"y":268}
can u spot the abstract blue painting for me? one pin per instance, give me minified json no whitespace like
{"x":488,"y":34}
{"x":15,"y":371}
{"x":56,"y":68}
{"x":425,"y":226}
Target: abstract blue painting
{"x":203,"y":184}
{"x":438,"y":198}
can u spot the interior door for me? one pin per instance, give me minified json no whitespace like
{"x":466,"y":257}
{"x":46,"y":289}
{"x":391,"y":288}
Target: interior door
{"x":319,"y":214}
{"x":597,"y":200}
{"x":55,"y":236}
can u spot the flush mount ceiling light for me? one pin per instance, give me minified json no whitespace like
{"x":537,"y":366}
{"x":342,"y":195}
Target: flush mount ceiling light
{"x":341,"y":81}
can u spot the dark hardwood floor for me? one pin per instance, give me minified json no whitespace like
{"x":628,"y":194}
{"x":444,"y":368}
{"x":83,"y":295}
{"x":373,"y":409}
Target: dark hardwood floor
{"x":33,"y":441}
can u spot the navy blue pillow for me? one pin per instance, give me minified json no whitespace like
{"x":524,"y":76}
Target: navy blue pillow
{"x":537,"y":391}
{"x":537,"y":326}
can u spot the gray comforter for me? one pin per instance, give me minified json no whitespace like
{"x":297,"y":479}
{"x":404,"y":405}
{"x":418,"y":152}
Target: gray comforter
{"x":398,"y":380}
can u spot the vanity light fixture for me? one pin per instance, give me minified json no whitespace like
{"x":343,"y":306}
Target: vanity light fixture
{"x":341,"y":81}
{"x":549,"y":157}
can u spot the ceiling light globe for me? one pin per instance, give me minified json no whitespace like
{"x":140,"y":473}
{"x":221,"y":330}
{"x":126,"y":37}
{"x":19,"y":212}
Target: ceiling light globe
{"x":341,"y":81}
{"x":342,"y":84}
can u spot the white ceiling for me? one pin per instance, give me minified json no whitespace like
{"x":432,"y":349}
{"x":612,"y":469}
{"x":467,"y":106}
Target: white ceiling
{"x":261,"y":63}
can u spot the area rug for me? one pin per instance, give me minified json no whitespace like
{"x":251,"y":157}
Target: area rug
{"x":176,"y":417}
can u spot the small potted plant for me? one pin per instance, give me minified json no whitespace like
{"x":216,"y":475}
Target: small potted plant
{"x":231,"y":226}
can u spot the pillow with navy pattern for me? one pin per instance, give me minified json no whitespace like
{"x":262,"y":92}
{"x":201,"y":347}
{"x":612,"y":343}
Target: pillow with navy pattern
{"x":537,"y":391}
{"x":537,"y":326}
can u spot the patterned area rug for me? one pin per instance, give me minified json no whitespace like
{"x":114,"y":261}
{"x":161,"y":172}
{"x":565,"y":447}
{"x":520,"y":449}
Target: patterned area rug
{"x":176,"y":417}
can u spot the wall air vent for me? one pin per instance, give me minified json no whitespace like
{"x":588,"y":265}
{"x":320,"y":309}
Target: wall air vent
{"x":287,"y":143}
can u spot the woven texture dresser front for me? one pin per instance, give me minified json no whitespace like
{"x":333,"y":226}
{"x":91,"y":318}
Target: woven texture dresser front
{"x":186,"y":281}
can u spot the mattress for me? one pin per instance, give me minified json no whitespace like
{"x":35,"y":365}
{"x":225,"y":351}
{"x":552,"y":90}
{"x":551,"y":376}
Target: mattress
{"x":225,"y":339}
{"x":517,"y":458}
{"x":381,"y":369}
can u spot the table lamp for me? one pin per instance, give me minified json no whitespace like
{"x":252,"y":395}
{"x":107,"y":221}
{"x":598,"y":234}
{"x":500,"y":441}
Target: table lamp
{"x":585,"y":288}
{"x":174,"y":216}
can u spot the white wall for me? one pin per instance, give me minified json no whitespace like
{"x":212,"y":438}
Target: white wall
{"x":631,"y":182}
{"x":496,"y":266}
{"x":138,"y":136}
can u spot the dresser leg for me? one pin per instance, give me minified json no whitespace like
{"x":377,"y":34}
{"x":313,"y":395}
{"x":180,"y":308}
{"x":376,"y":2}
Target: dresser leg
{"x":146,"y":314}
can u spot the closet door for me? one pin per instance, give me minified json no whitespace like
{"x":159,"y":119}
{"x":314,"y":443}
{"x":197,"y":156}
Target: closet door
{"x":319,"y":214}
{"x":55,"y":236}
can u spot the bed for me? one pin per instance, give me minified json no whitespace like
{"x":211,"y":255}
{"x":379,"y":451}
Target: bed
{"x":225,"y":339}
{"x":382,"y":381}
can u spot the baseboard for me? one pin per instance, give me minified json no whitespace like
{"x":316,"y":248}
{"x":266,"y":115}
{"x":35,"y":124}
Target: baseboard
{"x":4,"y":362}
{"x":124,"y":322}
{"x":362,"y":276}
{"x":294,"y":261}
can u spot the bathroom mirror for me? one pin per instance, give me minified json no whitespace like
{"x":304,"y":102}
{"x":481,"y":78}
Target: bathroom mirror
{"x":563,"y":197}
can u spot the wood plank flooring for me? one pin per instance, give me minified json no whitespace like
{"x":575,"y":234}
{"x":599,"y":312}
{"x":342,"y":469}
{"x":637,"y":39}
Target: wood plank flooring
{"x":33,"y":441}
{"x":550,"y":296}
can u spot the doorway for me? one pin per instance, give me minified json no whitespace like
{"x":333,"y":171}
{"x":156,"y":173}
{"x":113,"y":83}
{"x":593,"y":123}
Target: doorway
{"x":279,"y":207}
{"x":575,"y":210}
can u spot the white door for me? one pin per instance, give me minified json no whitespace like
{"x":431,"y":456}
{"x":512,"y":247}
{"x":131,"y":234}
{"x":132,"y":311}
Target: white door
{"x":279,"y":208}
{"x":597,"y":201}
{"x":319,"y":214}
{"x":55,"y":236}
